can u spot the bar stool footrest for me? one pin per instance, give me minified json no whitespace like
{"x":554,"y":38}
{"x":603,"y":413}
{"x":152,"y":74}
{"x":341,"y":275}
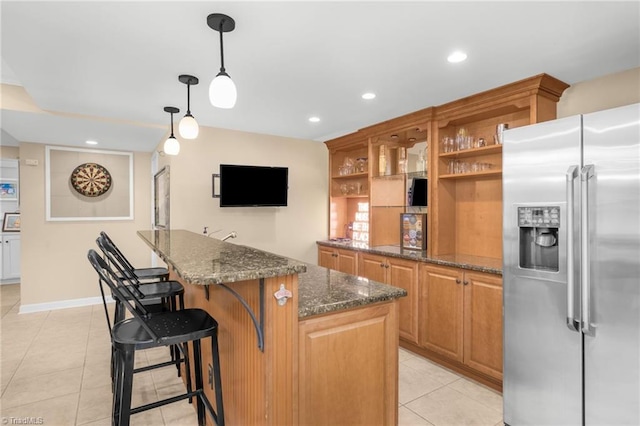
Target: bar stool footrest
{"x":166,"y":401}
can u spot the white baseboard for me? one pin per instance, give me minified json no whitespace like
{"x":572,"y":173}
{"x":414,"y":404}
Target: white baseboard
{"x":62,"y":304}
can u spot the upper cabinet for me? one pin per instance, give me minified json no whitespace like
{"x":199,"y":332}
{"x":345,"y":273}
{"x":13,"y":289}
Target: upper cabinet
{"x":348,"y":186}
{"x":400,"y":152}
{"x":467,"y":167}
{"x":455,"y":150}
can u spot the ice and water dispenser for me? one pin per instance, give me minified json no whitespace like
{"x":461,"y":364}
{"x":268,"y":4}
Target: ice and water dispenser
{"x":539,"y":237}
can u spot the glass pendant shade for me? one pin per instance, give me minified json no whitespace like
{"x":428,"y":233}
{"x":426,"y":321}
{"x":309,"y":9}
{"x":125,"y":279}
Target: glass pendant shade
{"x":222,"y":91}
{"x":171,"y":146}
{"x":188,"y":127}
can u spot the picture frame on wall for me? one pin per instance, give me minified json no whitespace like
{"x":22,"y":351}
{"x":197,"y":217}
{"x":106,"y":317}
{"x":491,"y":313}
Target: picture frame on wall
{"x":161,"y":199}
{"x":11,"y":222}
{"x":88,"y":184}
{"x":8,"y":190}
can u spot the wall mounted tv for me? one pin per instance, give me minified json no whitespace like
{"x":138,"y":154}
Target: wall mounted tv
{"x":252,"y":186}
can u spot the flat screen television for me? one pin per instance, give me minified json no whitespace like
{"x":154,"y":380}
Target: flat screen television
{"x":253,"y":186}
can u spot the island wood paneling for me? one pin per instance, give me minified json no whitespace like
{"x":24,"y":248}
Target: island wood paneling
{"x":258,"y":387}
{"x":348,"y":367}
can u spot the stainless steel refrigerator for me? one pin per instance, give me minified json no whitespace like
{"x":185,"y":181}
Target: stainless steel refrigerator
{"x":571,"y":249}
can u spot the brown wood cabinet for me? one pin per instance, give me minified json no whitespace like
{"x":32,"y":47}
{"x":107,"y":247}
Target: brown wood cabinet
{"x":398,"y":273}
{"x":348,"y":186}
{"x":461,"y":317}
{"x":338,"y":259}
{"x":466,"y":184}
{"x":361,"y":388}
{"x":460,"y":312}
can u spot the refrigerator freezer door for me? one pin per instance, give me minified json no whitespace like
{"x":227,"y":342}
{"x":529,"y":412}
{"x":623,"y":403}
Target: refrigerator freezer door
{"x":542,"y":357}
{"x":611,"y":141}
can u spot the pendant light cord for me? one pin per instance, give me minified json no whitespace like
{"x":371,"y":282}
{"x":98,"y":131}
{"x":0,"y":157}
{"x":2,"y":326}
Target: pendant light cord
{"x":172,"y":126}
{"x":188,"y":98}
{"x":221,"y":46}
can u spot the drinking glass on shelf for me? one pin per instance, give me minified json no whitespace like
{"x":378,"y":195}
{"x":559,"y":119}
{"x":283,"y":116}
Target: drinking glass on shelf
{"x":447,"y":144}
{"x":348,"y":165}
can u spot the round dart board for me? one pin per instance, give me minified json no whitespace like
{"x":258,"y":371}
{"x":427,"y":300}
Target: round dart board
{"x":91,"y":179}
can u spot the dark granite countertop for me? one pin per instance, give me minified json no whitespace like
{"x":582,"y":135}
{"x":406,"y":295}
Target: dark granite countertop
{"x":322,"y":290}
{"x":201,"y":260}
{"x":472,"y":263}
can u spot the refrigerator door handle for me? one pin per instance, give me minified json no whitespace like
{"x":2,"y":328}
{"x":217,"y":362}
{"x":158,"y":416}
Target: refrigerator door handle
{"x":572,"y":322}
{"x":588,"y":172}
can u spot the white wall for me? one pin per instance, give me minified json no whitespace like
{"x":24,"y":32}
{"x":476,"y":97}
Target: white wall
{"x":606,"y":92}
{"x":54,"y":254}
{"x":289,"y":231}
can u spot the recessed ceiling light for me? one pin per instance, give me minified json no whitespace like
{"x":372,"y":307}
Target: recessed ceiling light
{"x":91,"y":142}
{"x":368,"y":96}
{"x":314,"y":119}
{"x":457,"y":56}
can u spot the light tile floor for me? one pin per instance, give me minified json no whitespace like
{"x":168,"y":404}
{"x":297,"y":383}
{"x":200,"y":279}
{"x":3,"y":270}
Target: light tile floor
{"x":55,"y":366}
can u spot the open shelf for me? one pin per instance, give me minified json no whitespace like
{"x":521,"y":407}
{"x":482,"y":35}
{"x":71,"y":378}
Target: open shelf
{"x":472,"y":152}
{"x":351,"y":196}
{"x":351,"y":176}
{"x":474,"y":175}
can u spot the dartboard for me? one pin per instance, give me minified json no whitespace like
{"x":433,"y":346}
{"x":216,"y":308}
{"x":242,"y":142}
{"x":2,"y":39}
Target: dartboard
{"x":91,"y":179}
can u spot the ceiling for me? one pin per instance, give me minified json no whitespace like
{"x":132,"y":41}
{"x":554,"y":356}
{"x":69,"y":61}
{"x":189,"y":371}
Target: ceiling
{"x":104,"y":70}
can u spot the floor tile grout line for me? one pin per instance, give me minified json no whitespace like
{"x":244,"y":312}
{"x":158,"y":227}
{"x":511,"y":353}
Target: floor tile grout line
{"x":84,"y":366}
{"x":25,"y":353}
{"x":457,"y":380}
{"x":41,"y":401}
{"x":426,"y":420}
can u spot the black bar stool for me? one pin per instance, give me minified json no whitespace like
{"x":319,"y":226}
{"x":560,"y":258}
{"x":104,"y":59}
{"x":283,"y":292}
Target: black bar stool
{"x":147,"y":330}
{"x":156,"y":296}
{"x":142,"y":274}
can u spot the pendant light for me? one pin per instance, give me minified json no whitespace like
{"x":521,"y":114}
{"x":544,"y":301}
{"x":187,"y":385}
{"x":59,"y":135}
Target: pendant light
{"x":222,"y":91}
{"x":188,"y":127}
{"x":171,"y":145}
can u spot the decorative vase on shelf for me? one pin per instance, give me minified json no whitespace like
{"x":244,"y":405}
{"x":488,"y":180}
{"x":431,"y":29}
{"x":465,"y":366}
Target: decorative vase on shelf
{"x":420,"y":163}
{"x":402,"y":160}
{"x":382,"y":161}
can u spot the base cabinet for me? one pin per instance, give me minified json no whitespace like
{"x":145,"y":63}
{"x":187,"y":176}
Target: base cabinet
{"x":461,"y":317}
{"x":340,"y":260}
{"x":348,"y":367}
{"x":398,"y":273}
{"x":10,"y":255}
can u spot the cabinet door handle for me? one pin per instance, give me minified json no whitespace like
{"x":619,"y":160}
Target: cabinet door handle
{"x":458,"y":281}
{"x":386,"y":266}
{"x":382,"y":265}
{"x":465,"y":282}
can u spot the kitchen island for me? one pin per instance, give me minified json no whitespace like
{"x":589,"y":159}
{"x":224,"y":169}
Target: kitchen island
{"x":299,"y":344}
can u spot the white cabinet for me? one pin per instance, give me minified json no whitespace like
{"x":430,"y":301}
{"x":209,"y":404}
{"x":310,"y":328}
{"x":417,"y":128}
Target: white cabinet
{"x":10,"y":249}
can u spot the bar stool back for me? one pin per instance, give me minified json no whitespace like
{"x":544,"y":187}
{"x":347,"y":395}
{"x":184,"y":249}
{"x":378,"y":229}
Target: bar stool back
{"x":142,"y":274}
{"x":170,"y":294}
{"x":147,"y":330}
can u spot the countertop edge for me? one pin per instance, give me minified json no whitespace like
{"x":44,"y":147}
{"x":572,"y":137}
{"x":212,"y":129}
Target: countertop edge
{"x":415,"y":255}
{"x":295,"y":267}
